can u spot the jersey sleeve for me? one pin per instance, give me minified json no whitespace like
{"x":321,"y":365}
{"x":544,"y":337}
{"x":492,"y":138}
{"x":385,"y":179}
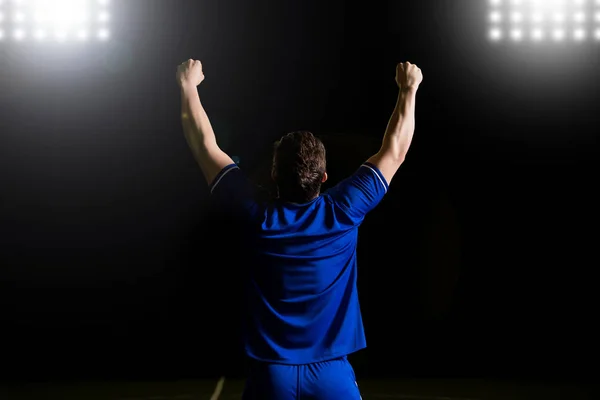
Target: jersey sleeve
{"x":361,"y":192}
{"x":233,"y":191}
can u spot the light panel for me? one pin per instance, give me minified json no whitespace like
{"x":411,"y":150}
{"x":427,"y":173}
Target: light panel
{"x":544,"y":20}
{"x":54,"y":20}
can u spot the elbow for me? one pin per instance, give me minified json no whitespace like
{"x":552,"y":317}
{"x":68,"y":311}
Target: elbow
{"x":399,"y":159}
{"x":392,"y":158}
{"x":402,"y":152}
{"x":398,"y":154}
{"x":394,"y":155}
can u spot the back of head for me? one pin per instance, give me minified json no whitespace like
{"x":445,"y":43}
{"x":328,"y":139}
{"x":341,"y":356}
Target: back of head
{"x":299,"y":166}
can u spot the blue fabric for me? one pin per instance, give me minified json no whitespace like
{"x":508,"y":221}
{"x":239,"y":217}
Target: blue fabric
{"x":302,"y":296}
{"x":327,"y":380}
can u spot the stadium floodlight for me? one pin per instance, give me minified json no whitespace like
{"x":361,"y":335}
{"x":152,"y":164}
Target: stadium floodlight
{"x":516,"y":17}
{"x":537,"y":34}
{"x":540,"y":19}
{"x":496,"y":16}
{"x":19,"y":34}
{"x":579,"y":34}
{"x":579,"y":17}
{"x":103,"y":34}
{"x":559,"y":17}
{"x":57,"y":20}
{"x":516,"y":34}
{"x":495,"y":34}
{"x":558,"y":34}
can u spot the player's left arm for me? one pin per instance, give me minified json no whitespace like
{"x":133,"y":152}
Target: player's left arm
{"x":196,"y":126}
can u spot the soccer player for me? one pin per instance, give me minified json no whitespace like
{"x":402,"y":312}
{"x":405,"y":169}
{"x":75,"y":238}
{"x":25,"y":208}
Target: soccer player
{"x":303,"y":316}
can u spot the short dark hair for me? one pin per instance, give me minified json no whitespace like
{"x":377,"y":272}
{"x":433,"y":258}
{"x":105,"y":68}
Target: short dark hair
{"x":299,"y":164}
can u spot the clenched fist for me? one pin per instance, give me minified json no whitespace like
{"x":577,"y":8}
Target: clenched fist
{"x":408,"y":76}
{"x":190,"y":73}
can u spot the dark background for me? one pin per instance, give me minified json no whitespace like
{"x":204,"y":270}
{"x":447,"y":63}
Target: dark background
{"x":479,"y":262}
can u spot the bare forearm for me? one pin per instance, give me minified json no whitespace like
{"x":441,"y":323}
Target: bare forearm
{"x":401,"y":127}
{"x":197,"y":127}
{"x":200,"y":135}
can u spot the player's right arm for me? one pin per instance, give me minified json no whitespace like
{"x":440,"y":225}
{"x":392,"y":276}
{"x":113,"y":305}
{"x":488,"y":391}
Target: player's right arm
{"x":361,"y":192}
{"x":401,"y":127}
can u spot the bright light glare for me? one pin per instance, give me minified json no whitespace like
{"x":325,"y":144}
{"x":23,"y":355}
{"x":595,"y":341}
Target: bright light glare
{"x":61,"y":20}
{"x":103,"y":34}
{"x":579,"y":34}
{"x":597,"y":34}
{"x":537,"y":34}
{"x":516,"y":34}
{"x":60,"y":35}
{"x":19,"y":34}
{"x":558,"y":34}
{"x":40,"y":34}
{"x":495,"y":34}
{"x":104,"y":16}
{"x":535,"y":20}
{"x":496,"y":16}
{"x":579,"y":16}
{"x":19,"y":16}
{"x":537,"y":16}
{"x":559,"y":17}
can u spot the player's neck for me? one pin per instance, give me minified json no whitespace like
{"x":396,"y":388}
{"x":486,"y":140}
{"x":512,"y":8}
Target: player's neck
{"x":295,"y":202}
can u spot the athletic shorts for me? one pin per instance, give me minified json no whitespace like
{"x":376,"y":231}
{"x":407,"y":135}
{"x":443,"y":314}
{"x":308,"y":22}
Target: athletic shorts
{"x":327,"y":380}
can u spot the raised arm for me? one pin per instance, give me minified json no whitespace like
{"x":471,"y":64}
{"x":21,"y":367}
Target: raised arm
{"x":401,"y":126}
{"x":196,"y":125}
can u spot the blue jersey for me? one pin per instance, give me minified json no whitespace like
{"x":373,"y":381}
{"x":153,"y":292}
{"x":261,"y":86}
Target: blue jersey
{"x":302,"y":295}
